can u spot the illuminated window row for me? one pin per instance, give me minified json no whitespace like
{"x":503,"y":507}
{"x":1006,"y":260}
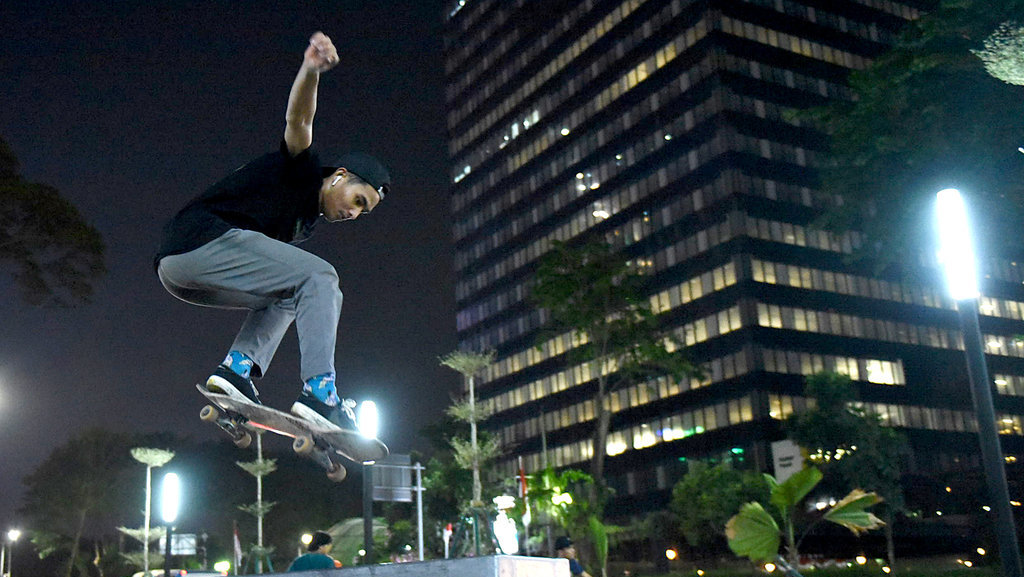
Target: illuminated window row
{"x":1002,"y":308}
{"x":781,"y":407}
{"x":1011,"y":385}
{"x":823,"y":280}
{"x":779,"y":191}
{"x":629,"y":397}
{"x":796,"y":44}
{"x":1002,"y":345}
{"x":680,"y":426}
{"x":644,"y":435}
{"x":1007,"y":424}
{"x":895,"y":8}
{"x":866,"y":30}
{"x":772,"y":150}
{"x":700,"y":330}
{"x":674,"y":297}
{"x":714,"y":280}
{"x":667,"y":256}
{"x":786,"y":77}
{"x":588,"y":109}
{"x":831,"y":323}
{"x":859,"y":369}
{"x":765,"y":109}
{"x":799,"y":235}
{"x":586,"y":180}
{"x":779,"y":317}
{"x":917,"y":417}
{"x":848,"y":284}
{"x":583,"y":42}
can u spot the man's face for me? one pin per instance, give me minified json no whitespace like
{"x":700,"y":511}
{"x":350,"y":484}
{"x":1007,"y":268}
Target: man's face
{"x":342,"y":198}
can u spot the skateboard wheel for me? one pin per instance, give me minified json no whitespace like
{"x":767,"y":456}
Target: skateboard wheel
{"x":337,"y":473}
{"x":243,"y":440}
{"x":303,"y":445}
{"x":209,"y":413}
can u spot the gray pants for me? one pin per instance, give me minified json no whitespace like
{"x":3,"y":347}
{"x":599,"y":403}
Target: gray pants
{"x":277,"y":282}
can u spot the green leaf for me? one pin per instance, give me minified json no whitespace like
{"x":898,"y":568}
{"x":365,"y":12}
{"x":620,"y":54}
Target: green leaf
{"x":753,"y":533}
{"x":850,"y":512}
{"x":786,"y":495}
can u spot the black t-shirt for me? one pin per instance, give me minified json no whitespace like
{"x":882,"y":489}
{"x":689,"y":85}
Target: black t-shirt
{"x":276,"y":194}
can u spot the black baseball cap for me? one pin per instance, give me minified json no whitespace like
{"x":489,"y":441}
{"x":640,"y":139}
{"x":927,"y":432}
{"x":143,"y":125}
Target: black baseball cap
{"x":365,"y":167}
{"x":320,"y":538}
{"x":562,"y":542}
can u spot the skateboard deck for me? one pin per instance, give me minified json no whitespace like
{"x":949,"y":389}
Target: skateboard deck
{"x":239,"y":417}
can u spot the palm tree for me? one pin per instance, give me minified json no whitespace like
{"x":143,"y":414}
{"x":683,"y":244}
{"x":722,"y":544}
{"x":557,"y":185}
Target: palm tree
{"x":151,"y":458}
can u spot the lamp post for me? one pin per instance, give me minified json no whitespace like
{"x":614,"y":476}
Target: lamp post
{"x":170,"y":501}
{"x":956,"y":254}
{"x":12,"y":536}
{"x":367,"y":421}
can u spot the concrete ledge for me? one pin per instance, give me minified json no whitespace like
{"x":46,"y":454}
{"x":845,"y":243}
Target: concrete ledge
{"x":493,"y":566}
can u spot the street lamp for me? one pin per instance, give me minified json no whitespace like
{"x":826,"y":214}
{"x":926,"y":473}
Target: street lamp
{"x":956,"y":254}
{"x":12,"y":536}
{"x":170,"y":501}
{"x":367,"y":421}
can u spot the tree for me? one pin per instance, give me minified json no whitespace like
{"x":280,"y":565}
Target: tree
{"x":1003,"y":53}
{"x":75,"y":489}
{"x":55,"y":254}
{"x":259,"y":468}
{"x":468,"y":364}
{"x":706,"y":497}
{"x":150,"y":457}
{"x":926,"y":115}
{"x":448,"y":487}
{"x":474,"y":454}
{"x":558,"y":495}
{"x":595,"y":292}
{"x":850,"y":445}
{"x":754,"y":533}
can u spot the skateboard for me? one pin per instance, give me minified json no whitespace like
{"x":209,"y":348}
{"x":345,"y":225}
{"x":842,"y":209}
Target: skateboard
{"x":240,"y":418}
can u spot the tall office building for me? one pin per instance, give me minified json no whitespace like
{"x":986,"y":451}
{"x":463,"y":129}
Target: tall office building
{"x":661,"y":125}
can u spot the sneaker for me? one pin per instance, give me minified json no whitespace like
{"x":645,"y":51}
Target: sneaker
{"x":228,"y":382}
{"x":340,"y":416}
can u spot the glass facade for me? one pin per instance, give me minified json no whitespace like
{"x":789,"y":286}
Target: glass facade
{"x":663,"y":127}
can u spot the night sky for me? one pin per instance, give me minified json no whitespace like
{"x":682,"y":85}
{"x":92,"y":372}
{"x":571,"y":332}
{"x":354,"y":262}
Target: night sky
{"x":130,"y":109}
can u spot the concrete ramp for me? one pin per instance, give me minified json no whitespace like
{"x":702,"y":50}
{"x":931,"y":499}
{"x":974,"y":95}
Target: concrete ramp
{"x":493,"y":566}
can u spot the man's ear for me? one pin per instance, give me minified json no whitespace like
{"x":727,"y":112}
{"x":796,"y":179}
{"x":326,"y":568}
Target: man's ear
{"x":338,"y":175}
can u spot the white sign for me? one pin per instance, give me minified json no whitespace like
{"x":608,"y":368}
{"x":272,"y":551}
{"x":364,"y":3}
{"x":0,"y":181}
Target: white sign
{"x":181,"y":543}
{"x":787,"y":459}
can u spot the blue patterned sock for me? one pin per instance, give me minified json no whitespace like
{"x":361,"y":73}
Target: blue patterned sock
{"x":322,"y":387}
{"x":240,"y":363}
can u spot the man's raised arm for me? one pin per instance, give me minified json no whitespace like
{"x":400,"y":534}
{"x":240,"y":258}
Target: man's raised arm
{"x":320,"y":56}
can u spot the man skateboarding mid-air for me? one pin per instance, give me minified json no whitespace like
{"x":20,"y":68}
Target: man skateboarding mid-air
{"x":233,"y":246}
